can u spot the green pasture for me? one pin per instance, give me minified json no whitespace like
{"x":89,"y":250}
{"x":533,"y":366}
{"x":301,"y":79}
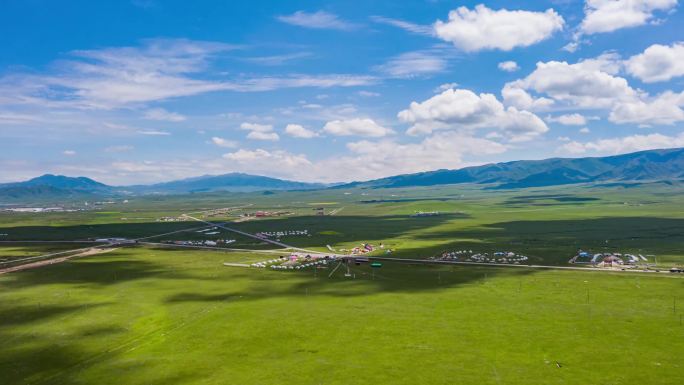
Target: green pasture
{"x":149,"y":315}
{"x":546,"y":224}
{"x":152,"y":316}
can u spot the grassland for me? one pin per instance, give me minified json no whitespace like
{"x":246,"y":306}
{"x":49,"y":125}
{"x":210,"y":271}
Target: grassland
{"x":548,"y":225}
{"x":145,"y":315}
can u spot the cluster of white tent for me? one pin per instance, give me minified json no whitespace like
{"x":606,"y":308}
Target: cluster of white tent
{"x":266,"y":263}
{"x":278,"y":234}
{"x":497,"y":257}
{"x":302,"y":266}
{"x":209,"y":243}
{"x":453,"y":255}
{"x":586,"y":257}
{"x":294,"y":262}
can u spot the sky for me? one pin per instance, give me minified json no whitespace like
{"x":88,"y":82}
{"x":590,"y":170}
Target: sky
{"x":144,"y":91}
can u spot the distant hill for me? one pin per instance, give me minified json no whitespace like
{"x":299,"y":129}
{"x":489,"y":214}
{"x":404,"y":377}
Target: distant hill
{"x":653,"y":165}
{"x":64,"y":182}
{"x":236,"y":182}
{"x":638,"y":166}
{"x":58,"y":186}
{"x":54,"y":186}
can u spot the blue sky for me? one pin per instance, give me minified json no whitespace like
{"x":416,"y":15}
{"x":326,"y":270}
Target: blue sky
{"x":145,"y":91}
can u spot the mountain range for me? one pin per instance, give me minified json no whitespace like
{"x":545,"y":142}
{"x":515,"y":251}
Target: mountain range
{"x":652,"y":165}
{"x":60,"y":186}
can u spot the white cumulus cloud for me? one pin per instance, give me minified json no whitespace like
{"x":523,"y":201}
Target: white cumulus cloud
{"x":657,"y":63}
{"x":366,"y":159}
{"x":665,"y":108}
{"x":462,"y":109}
{"x":221,"y":142}
{"x":593,"y":84}
{"x":299,"y":131}
{"x":568,"y":119}
{"x":625,"y":144}
{"x":610,"y":15}
{"x":256,"y":127}
{"x":358,"y":127}
{"x":514,"y":95}
{"x":259,"y":131}
{"x":257,"y":135}
{"x":261,"y":160}
{"x":484,"y":28}
{"x":444,"y":87}
{"x":508,"y":66}
{"x":581,"y":84}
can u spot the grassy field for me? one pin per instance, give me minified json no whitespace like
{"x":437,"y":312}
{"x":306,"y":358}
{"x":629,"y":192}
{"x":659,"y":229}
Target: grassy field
{"x":144,"y":315}
{"x":547,"y":224}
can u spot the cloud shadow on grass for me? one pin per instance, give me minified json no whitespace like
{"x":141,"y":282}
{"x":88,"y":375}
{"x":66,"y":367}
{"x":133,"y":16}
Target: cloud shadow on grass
{"x":106,"y":269}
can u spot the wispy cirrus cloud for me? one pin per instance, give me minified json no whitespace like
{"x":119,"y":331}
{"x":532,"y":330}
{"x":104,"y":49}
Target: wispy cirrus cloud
{"x":157,"y":70}
{"x":420,"y":29}
{"x":417,"y":63}
{"x":153,"y":132}
{"x":163,"y":115}
{"x":119,"y":148}
{"x":317,"y":20}
{"x":277,"y":60}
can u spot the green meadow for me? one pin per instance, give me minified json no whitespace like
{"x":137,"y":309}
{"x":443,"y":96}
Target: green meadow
{"x":150,"y":315}
{"x":146,"y":316}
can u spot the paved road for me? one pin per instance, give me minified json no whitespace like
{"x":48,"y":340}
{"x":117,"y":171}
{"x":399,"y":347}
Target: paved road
{"x":286,"y":246}
{"x":83,"y":253}
{"x":38,"y":241}
{"x":437,"y":262}
{"x":172,"y":245}
{"x":264,"y":239}
{"x":80,"y":250}
{"x":86,"y":250}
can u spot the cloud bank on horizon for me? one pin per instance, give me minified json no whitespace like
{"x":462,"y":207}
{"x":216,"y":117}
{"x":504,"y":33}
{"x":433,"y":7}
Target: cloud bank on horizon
{"x":332,"y":91}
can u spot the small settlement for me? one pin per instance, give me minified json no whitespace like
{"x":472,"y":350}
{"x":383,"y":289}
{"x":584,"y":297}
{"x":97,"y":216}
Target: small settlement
{"x":426,"y":214}
{"x":207,"y":242}
{"x":365,"y":248}
{"x":607,"y":259}
{"x":297,"y":262}
{"x":263,"y":214}
{"x":495,"y":257}
{"x":283,"y":233}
